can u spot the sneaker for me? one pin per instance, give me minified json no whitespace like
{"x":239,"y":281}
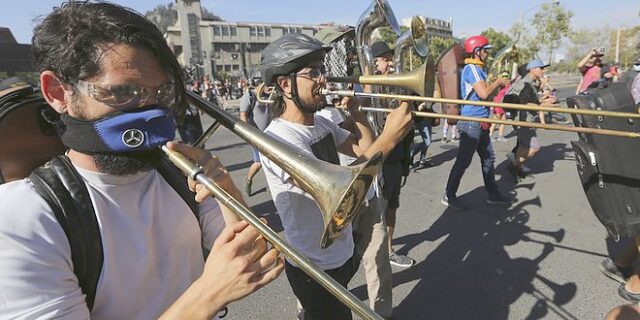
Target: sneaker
{"x":629,"y":296}
{"x":453,"y":202}
{"x":425,"y":164}
{"x":399,"y":260}
{"x":445,"y":140}
{"x":247,"y":186}
{"x":611,"y":270}
{"x":455,"y":139}
{"x":498,"y":199}
{"x":525,"y":170}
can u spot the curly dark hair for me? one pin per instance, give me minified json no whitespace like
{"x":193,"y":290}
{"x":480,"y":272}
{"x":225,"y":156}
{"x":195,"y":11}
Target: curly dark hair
{"x":69,"y":41}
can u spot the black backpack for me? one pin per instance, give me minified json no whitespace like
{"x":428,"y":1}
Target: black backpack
{"x":63,"y":189}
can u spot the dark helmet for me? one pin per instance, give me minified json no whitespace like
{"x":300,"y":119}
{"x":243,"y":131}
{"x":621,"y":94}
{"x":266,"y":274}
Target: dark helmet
{"x":290,"y":53}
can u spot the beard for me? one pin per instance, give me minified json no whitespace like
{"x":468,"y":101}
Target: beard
{"x":313,"y":106}
{"x":127,"y":163}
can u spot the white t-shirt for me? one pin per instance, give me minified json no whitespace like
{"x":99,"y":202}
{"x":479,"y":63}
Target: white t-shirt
{"x":299,"y":212}
{"x":335,"y":116}
{"x":151,"y":241}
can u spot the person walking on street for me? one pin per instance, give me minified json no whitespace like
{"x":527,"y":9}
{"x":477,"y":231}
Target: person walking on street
{"x":474,"y":136}
{"x":257,"y":115}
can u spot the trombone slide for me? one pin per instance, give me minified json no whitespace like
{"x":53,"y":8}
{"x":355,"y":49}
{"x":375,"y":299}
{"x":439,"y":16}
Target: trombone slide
{"x":341,"y":293}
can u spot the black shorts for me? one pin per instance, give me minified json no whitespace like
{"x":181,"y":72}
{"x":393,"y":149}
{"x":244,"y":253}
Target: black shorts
{"x":392,"y":175}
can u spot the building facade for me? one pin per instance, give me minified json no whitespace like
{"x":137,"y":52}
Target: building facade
{"x":435,"y":27}
{"x":223,"y":48}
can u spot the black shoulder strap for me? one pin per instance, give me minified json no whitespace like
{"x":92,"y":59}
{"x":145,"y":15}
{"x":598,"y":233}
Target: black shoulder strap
{"x":62,"y":188}
{"x":178,"y":182}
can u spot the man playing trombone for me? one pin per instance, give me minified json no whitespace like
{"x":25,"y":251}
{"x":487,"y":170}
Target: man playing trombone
{"x":474,"y":136}
{"x":110,"y":74}
{"x":294,"y":65}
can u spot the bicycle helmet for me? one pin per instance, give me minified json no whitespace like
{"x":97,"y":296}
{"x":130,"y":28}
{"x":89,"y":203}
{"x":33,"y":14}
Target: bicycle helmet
{"x":290,"y":53}
{"x":474,"y":43}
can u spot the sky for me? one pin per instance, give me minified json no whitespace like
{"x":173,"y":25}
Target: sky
{"x":500,"y":15}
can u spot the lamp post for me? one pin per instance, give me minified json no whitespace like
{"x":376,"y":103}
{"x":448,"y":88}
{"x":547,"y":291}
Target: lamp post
{"x":618,"y":35}
{"x":525,"y":12}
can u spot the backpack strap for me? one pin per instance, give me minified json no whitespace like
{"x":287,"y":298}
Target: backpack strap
{"x":60,"y":185}
{"x":63,"y":189}
{"x":178,"y":182}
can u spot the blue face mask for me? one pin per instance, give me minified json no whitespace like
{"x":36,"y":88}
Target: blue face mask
{"x":143,"y":129}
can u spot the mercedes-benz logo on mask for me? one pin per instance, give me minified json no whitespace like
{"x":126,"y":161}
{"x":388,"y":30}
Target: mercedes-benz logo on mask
{"x":133,"y":138}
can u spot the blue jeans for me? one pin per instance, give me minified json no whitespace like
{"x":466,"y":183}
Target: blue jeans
{"x":424,"y":127}
{"x":473,"y":139}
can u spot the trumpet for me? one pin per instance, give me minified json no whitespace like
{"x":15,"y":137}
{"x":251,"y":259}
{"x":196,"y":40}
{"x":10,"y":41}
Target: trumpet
{"x":339,"y":192}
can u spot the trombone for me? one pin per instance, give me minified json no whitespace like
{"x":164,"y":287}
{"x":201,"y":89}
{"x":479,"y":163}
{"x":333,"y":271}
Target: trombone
{"x":616,"y":133}
{"x":418,"y":80}
{"x":339,"y":192}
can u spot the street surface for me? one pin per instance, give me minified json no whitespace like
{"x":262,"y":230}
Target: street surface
{"x":537,"y":259}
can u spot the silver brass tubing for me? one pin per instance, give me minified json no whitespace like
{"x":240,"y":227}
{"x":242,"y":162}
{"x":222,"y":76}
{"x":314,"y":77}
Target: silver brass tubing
{"x":207,"y":134}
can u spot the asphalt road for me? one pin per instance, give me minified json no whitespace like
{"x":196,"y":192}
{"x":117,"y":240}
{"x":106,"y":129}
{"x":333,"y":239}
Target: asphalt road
{"x":537,"y":259}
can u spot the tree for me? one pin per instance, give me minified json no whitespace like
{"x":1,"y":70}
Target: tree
{"x":163,"y":16}
{"x":499,"y":40}
{"x":519,"y":33}
{"x":551,"y":22}
{"x":208,"y":15}
{"x":437,"y":46}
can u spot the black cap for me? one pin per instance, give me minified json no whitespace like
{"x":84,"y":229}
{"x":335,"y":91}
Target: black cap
{"x":380,"y":48}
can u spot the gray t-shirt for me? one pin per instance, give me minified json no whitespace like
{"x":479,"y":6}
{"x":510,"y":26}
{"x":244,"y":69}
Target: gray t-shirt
{"x":258,"y":114}
{"x":635,"y":89}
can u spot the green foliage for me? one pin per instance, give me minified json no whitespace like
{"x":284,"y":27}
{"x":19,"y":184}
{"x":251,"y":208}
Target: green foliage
{"x":164,"y":16}
{"x":499,"y":40}
{"x":437,"y":46}
{"x":551,"y":22}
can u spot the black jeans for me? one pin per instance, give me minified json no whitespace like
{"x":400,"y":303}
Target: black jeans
{"x":317,"y":302}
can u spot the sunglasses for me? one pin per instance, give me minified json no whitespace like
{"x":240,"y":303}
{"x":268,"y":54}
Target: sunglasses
{"x":314,"y":73}
{"x":128,"y":96}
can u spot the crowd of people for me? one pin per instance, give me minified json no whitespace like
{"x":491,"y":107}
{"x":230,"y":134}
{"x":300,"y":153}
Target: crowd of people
{"x":112,"y":64}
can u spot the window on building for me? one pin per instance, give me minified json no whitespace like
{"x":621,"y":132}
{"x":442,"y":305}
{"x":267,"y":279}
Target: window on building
{"x":260,"y":31}
{"x":227,"y":67}
{"x":252,"y":31}
{"x":236,"y":67}
{"x":234,"y":31}
{"x":216,"y":30}
{"x":225,"y":30}
{"x":299,"y":30}
{"x":267,"y":31}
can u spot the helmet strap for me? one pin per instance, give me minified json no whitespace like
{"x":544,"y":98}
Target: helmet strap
{"x":294,"y":90}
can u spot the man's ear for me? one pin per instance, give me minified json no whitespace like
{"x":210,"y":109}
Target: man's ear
{"x":54,"y":91}
{"x":284,"y":83}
